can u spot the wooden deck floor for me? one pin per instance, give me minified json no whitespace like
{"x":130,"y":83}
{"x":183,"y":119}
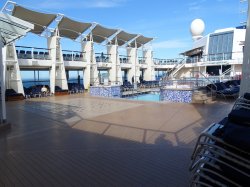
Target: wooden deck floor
{"x":78,"y":140}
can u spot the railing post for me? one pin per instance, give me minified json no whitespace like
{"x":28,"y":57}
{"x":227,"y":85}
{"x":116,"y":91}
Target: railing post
{"x":32,"y":50}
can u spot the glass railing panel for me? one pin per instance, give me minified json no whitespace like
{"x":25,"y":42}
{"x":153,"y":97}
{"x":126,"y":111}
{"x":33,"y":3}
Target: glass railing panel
{"x":69,"y":55}
{"x":102,"y":57}
{"x":24,"y":52}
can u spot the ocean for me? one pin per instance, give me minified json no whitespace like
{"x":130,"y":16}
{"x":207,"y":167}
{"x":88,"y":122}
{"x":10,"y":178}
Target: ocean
{"x":31,"y":82}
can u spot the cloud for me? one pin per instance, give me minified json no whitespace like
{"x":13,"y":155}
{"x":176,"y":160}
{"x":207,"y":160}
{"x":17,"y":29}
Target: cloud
{"x":75,"y":4}
{"x":172,"y":44}
{"x":196,"y":5}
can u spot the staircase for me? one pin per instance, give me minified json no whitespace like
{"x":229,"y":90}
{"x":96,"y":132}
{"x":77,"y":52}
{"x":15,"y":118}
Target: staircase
{"x":176,"y":68}
{"x":224,"y":74}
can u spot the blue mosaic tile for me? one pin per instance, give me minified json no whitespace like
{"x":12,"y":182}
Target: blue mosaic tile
{"x":111,"y":91}
{"x":183,"y":96}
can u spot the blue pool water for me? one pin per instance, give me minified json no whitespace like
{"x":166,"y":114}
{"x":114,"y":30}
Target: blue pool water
{"x":146,"y":97}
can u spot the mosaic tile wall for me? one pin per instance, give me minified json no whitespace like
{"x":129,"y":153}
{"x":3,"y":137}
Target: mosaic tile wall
{"x":110,"y":91}
{"x":182,"y":96}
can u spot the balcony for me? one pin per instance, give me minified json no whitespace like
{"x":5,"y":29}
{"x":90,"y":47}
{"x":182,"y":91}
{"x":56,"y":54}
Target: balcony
{"x":30,"y":57}
{"x":69,"y":55}
{"x":216,"y":59}
{"x":24,"y":52}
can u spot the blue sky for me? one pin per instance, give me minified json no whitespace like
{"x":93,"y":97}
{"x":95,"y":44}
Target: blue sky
{"x":167,"y":21}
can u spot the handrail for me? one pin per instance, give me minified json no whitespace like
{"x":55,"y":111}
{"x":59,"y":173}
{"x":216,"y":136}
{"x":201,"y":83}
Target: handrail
{"x":19,"y":46}
{"x":104,"y":54}
{"x":73,"y":51}
{"x":158,"y":61}
{"x":124,"y":56}
{"x":225,"y":72}
{"x":211,"y":82}
{"x":182,"y":62}
{"x":215,"y":57}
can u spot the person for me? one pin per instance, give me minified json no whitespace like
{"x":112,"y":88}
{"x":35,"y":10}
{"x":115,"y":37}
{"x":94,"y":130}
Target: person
{"x":99,"y":77}
{"x":44,"y":90}
{"x":141,"y":79}
{"x":133,"y":80}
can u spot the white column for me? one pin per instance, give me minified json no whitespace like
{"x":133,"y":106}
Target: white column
{"x":15,"y":80}
{"x":150,"y":71}
{"x":57,"y":71}
{"x":133,"y":72}
{"x":245,"y":82}
{"x":2,"y":76}
{"x":90,"y":73}
{"x":115,"y":71}
{"x":51,"y":43}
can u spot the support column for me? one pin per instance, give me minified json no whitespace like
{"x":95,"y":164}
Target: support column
{"x":14,"y":80}
{"x":115,"y":71}
{"x":90,"y":73}
{"x":57,"y":70}
{"x":135,"y":69}
{"x":150,"y":71}
{"x":2,"y":76}
{"x":245,"y":82}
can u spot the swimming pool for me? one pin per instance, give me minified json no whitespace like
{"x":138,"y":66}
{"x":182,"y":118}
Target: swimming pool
{"x":146,"y":97}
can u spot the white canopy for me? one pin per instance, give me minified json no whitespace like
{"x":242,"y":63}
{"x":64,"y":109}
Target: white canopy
{"x":141,"y":40}
{"x":40,"y":20}
{"x":12,"y":28}
{"x":100,"y":33}
{"x":72,"y":29}
{"x":123,"y":37}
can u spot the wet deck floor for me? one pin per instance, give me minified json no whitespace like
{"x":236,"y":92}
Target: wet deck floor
{"x":78,"y":140}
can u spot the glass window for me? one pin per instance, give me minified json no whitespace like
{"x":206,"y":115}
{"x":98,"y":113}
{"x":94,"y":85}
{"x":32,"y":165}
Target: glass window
{"x":220,"y":46}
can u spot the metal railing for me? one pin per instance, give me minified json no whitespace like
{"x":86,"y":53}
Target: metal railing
{"x":213,"y":58}
{"x":69,"y":55}
{"x":206,"y":80}
{"x":158,"y":61}
{"x":101,"y":57}
{"x":24,"y":52}
{"x":124,"y":59}
{"x":141,"y":60}
{"x":176,"y":68}
{"x":225,"y":74}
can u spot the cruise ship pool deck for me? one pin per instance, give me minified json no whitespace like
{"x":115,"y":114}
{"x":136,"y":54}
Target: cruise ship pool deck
{"x":78,"y":140}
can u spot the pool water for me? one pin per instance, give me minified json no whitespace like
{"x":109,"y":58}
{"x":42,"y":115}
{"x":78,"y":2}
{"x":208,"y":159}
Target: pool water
{"x":146,"y":97}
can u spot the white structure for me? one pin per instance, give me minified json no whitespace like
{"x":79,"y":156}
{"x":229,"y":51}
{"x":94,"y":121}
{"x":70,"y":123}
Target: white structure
{"x":217,"y":54}
{"x":245,"y":83}
{"x":58,"y":61}
{"x":197,"y":28}
{"x":11,"y":28}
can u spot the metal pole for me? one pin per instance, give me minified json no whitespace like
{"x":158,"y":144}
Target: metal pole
{"x":2,"y":76}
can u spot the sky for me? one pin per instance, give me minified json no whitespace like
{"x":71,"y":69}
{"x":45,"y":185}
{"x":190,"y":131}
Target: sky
{"x":166,"y":21}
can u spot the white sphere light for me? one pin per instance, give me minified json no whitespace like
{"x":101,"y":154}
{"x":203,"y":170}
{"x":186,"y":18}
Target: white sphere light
{"x":197,"y":27}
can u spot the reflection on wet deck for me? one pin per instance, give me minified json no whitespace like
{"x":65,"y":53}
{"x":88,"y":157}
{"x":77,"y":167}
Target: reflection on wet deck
{"x":86,"y":141}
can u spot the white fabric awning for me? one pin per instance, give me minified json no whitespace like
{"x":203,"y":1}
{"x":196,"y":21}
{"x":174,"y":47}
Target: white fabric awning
{"x":100,"y":33}
{"x":40,"y":20}
{"x":123,"y":37}
{"x":72,"y":29}
{"x":141,"y":40}
{"x":12,"y":28}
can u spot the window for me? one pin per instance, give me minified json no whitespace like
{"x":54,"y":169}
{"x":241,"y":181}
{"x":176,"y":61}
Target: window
{"x":220,"y":46}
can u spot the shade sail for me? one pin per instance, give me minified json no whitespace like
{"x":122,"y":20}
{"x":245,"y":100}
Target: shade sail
{"x":123,"y":37}
{"x":12,"y":28}
{"x":72,"y":29}
{"x":141,"y":40}
{"x":101,"y":33}
{"x":40,"y":20}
